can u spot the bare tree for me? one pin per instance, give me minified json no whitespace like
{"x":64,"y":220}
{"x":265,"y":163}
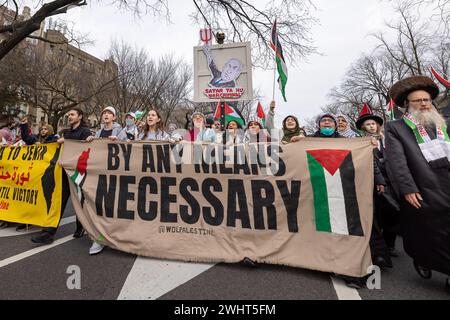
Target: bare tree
{"x":439,"y":8}
{"x":137,"y":78}
{"x":248,"y":108}
{"x":17,"y":30}
{"x":417,"y":46}
{"x":13,"y":74}
{"x":178,"y":86}
{"x":242,"y":20}
{"x":53,"y":83}
{"x":144,"y":83}
{"x":440,"y":60}
{"x":413,"y":38}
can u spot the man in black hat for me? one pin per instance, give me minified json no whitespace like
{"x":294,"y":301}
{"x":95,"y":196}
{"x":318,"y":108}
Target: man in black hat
{"x":417,"y":161}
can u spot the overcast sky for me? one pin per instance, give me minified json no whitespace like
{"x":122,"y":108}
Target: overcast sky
{"x":341,"y":37}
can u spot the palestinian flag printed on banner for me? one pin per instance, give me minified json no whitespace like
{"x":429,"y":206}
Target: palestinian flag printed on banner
{"x":261,"y":114}
{"x":79,"y":175}
{"x":230,"y":114}
{"x":333,"y":181}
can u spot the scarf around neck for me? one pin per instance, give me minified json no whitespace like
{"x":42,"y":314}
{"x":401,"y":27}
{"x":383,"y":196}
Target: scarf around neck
{"x":431,"y":149}
{"x":288,"y":134}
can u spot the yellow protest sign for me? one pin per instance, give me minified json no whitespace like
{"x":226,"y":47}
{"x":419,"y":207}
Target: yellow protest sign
{"x":31,"y":184}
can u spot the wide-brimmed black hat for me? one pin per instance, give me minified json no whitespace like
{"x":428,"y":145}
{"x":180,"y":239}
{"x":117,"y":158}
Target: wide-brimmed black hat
{"x":400,"y":90}
{"x":367,"y":114}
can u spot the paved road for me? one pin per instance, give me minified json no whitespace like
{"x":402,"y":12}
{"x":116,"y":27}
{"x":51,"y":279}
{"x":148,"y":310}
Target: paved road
{"x":28,"y":271}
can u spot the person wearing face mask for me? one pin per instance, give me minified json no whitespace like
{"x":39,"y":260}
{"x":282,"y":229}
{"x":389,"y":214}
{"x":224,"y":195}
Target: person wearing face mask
{"x":131,"y":130}
{"x":327,"y":126}
{"x":175,"y":134}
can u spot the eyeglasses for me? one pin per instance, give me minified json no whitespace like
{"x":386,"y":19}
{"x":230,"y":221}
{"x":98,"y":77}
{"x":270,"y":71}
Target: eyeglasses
{"x":420,"y":101}
{"x":326,"y":120}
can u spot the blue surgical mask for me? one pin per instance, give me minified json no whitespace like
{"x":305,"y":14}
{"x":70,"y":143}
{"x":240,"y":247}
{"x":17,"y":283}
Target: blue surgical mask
{"x":327,"y":131}
{"x":129,"y":122}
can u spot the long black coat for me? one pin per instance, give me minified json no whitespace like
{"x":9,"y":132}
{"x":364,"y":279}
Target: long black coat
{"x":32,"y":139}
{"x":380,"y":162}
{"x":426,"y":231}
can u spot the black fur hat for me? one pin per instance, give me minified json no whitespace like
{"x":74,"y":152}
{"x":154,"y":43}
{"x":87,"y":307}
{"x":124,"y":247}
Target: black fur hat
{"x":400,"y":90}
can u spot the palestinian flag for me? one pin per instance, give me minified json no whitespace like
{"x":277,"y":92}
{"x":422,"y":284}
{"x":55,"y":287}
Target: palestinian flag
{"x":441,"y":79}
{"x":231,"y":113}
{"x":333,"y":181}
{"x":281,"y":63}
{"x":79,"y":175}
{"x":261,"y":114}
{"x":390,"y":110}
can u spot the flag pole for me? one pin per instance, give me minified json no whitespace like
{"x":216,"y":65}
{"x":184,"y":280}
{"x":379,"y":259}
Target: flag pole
{"x":275,"y":62}
{"x":222,"y":114}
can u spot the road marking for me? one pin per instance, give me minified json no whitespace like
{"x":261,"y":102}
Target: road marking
{"x":149,"y":279}
{"x":29,"y":253}
{"x":343,"y":292}
{"x":11,"y":232}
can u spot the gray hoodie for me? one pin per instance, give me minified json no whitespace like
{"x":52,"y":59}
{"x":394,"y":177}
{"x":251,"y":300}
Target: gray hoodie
{"x":117,"y":131}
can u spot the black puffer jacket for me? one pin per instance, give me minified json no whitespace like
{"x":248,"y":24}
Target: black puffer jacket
{"x":31,"y":139}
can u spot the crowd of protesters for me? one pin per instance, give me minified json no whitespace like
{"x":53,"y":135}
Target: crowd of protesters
{"x":411,"y":164}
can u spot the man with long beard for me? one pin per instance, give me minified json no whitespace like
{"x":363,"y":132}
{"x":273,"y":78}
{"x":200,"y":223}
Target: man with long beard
{"x":417,"y":160}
